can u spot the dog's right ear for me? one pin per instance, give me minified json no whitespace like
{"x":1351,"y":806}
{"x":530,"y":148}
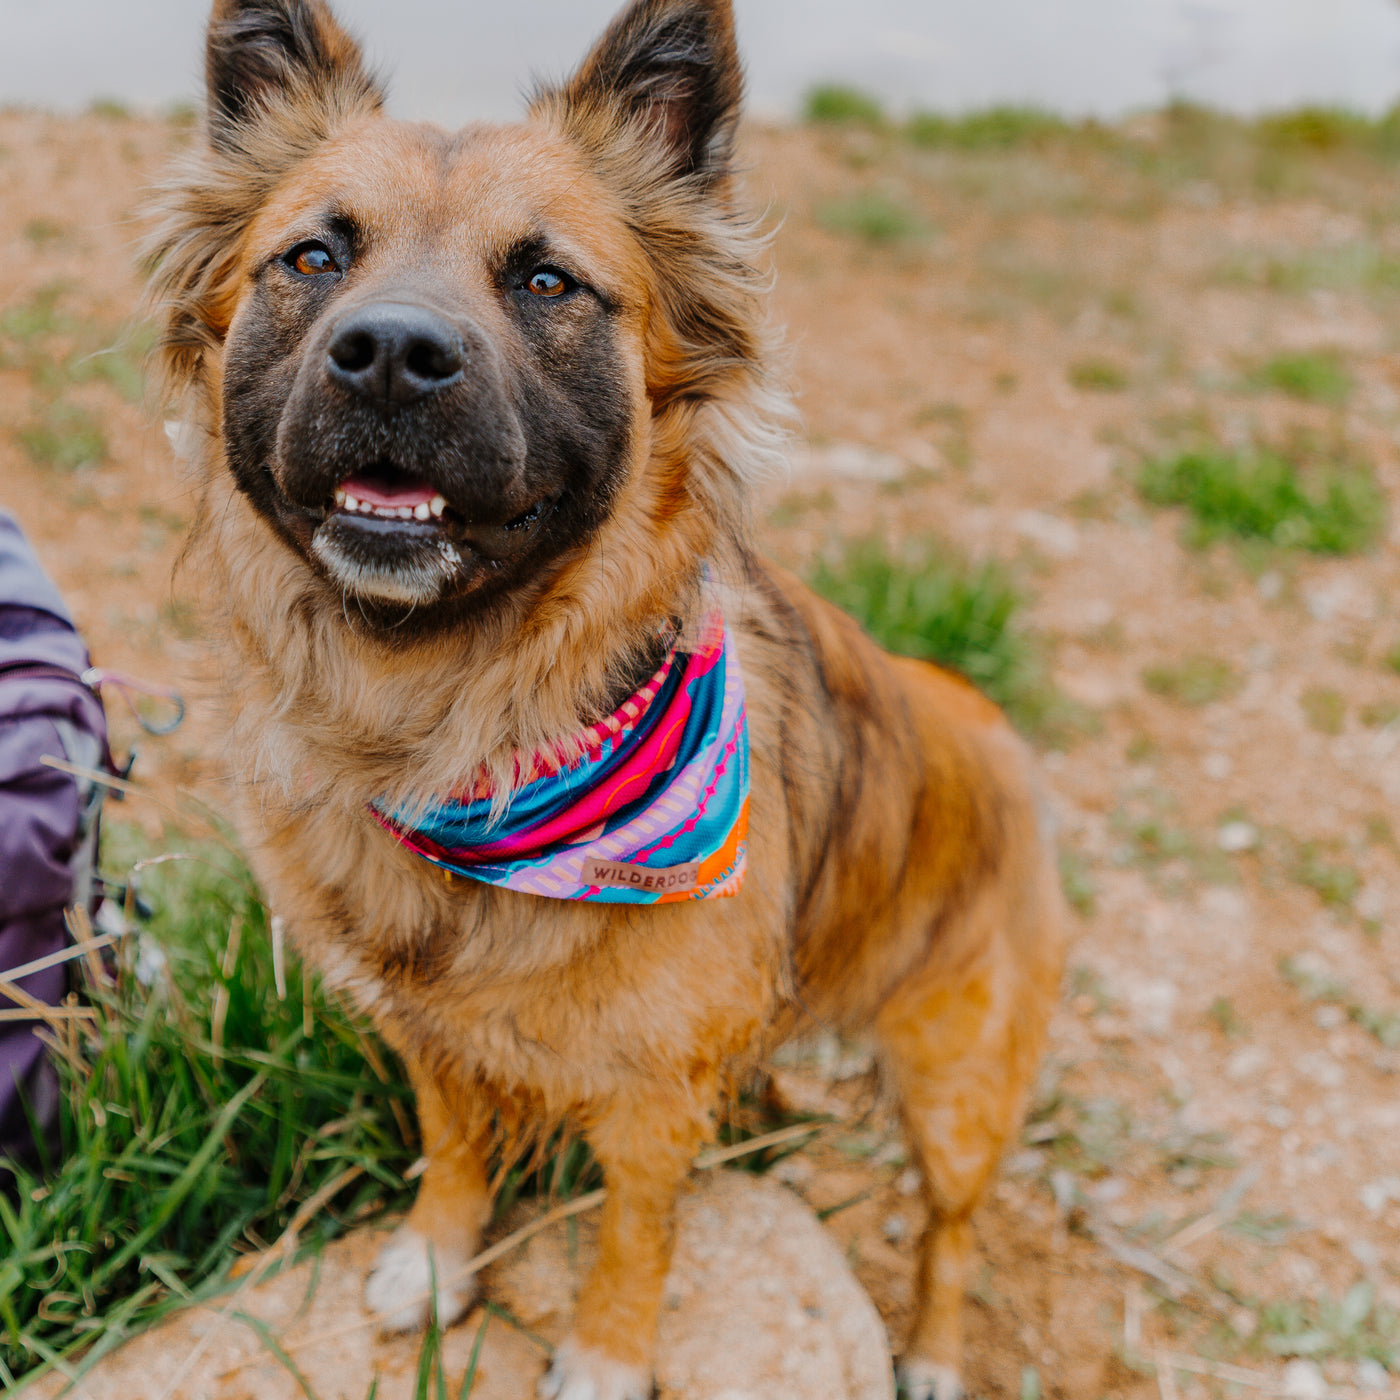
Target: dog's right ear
{"x":261,"y":52}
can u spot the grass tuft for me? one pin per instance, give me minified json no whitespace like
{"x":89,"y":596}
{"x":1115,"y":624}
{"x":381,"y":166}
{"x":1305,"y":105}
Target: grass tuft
{"x":197,"y":1115}
{"x":931,"y":602}
{"x":1195,"y":680}
{"x":1316,"y":378}
{"x":1263,"y":495}
{"x":871,"y":217}
{"x":1097,"y":376}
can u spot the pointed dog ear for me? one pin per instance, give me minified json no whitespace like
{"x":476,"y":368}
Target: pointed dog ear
{"x":260,"y":51}
{"x":672,"y":67}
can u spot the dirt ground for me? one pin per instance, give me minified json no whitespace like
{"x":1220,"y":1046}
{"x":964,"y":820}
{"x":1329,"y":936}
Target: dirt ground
{"x":1214,"y":1164}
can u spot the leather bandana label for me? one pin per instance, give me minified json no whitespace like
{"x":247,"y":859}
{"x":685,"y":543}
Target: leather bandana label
{"x":649,"y":806}
{"x":639,"y":877}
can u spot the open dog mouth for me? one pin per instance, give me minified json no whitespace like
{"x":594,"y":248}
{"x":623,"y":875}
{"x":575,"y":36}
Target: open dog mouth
{"x":391,"y":534}
{"x":384,"y":492}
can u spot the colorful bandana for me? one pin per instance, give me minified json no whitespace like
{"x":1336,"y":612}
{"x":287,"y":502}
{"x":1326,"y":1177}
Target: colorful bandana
{"x":653,"y":811}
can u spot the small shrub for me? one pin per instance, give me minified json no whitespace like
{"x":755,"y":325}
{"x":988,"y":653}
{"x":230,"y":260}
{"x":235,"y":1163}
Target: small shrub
{"x":1318,"y":378}
{"x":1332,"y":509}
{"x":872,"y":217}
{"x":1315,"y":129}
{"x":1099,"y":376}
{"x":831,"y":104}
{"x":1197,"y":680}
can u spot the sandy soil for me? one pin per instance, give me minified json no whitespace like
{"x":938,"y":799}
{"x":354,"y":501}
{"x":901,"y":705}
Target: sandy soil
{"x":1218,"y":1136}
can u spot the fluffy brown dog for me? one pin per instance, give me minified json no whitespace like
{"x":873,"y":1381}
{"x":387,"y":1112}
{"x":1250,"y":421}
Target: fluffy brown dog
{"x":548,"y":339}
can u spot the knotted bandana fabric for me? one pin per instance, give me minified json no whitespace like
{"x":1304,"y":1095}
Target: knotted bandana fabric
{"x":653,"y":811}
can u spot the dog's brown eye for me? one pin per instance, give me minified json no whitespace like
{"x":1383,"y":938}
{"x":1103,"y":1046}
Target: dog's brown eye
{"x":546,"y":282}
{"x":312,"y":260}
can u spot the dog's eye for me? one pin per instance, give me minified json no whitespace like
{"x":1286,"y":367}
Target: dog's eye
{"x":311,"y":260}
{"x":549,"y":282}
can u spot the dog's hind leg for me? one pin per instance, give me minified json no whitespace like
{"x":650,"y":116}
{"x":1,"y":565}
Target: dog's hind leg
{"x":442,"y":1231}
{"x":961,"y":1047}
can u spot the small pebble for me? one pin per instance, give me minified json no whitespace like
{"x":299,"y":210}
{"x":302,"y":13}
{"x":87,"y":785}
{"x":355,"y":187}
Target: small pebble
{"x":1304,"y":1380}
{"x":1217,"y":766}
{"x":895,"y":1229}
{"x":1371,"y":1375}
{"x":1237,"y":836}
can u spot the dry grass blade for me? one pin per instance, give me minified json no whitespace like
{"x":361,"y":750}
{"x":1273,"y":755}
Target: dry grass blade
{"x":41,"y":1011}
{"x":1166,"y":1377}
{"x":1254,"y":1380}
{"x":17,"y":974}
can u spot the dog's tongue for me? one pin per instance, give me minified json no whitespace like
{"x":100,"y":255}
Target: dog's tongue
{"x":376,"y":491}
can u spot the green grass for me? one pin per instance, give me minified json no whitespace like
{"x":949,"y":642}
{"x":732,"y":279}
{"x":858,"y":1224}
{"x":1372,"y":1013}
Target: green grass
{"x":929,"y":601}
{"x":1195,"y":680}
{"x":63,"y":438}
{"x":1328,"y":508}
{"x":831,"y":104}
{"x":1324,"y":709}
{"x":1359,"y":267}
{"x":871,"y":217}
{"x":932,"y":603}
{"x":1077,"y":883}
{"x":1384,"y":1026}
{"x":991,"y":129}
{"x":1352,"y":1327}
{"x":1097,"y":376}
{"x":1315,"y":378}
{"x":198,"y":1114}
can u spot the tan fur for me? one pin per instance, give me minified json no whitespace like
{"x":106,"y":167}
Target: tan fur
{"x":897,"y":880}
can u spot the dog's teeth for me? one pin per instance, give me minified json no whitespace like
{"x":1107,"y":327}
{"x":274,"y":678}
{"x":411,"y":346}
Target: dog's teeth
{"x":437,"y":505}
{"x":421,"y":511}
{"x":340,"y":497}
{"x":405,"y":512}
{"x":349,"y":502}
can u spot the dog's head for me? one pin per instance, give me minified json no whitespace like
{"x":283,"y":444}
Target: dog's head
{"x":437,"y":364}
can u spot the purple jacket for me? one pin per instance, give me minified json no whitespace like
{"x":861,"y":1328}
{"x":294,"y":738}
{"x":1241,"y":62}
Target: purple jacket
{"x":45,"y":709}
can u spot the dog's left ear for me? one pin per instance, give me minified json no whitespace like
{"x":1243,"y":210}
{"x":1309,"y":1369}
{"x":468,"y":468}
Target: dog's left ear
{"x":670,"y":68}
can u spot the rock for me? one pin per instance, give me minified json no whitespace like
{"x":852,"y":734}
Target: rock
{"x":759,"y":1305}
{"x":1304,"y":1380}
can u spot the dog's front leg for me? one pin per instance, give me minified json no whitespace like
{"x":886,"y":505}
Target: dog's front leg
{"x":443,"y":1230}
{"x":645,"y":1145}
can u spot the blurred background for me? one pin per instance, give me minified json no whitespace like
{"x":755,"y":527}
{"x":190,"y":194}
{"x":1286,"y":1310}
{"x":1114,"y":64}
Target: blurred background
{"x":459,"y":62}
{"x":1095,"y":311}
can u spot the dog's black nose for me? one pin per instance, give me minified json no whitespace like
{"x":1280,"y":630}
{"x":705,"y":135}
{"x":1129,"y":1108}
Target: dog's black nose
{"x":394,"y":352}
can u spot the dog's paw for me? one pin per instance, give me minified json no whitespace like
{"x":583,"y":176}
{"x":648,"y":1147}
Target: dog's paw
{"x":399,"y":1287}
{"x":580,"y":1373}
{"x":927,"y":1380}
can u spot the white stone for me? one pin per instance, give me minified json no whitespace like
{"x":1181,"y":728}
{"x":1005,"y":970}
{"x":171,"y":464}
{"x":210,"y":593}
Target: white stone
{"x":1303,"y":1380}
{"x":1237,"y":836}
